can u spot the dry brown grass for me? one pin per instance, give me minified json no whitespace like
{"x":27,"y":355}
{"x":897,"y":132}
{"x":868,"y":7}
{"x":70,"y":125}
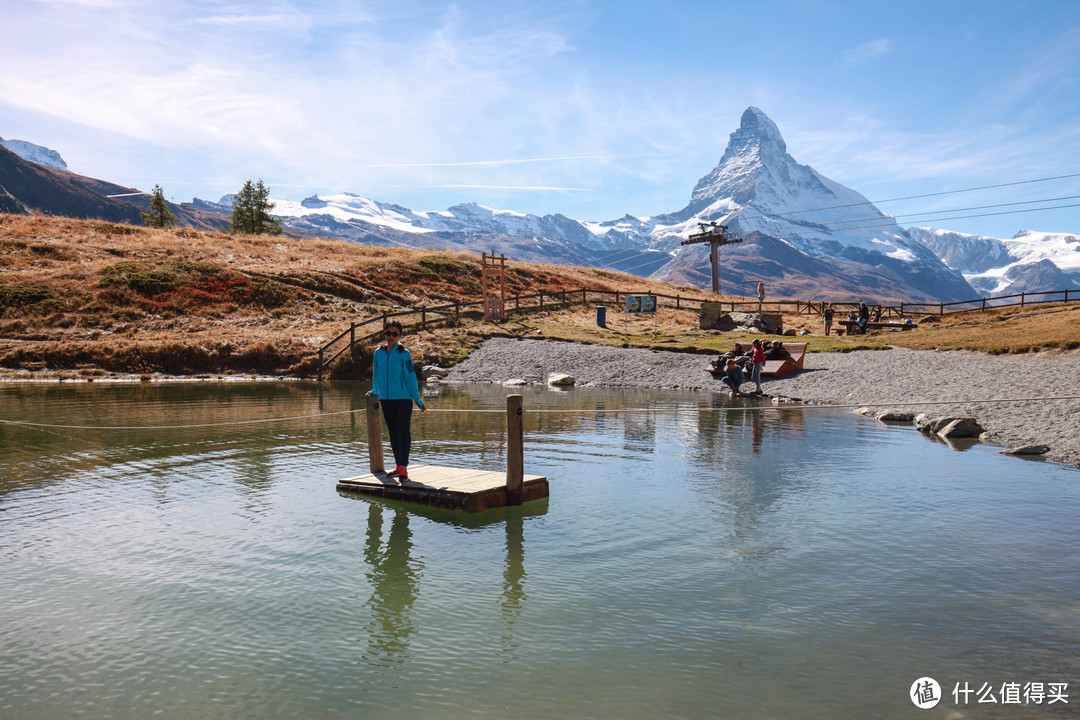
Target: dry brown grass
{"x":90,"y":296}
{"x":84,"y":292}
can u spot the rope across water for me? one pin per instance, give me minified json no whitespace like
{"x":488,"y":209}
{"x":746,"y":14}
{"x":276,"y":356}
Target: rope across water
{"x":569,"y":412}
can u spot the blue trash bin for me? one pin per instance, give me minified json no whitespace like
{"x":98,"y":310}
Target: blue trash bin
{"x":601,"y":316}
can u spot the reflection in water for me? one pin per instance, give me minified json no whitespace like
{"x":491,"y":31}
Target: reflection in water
{"x":815,"y":554}
{"x":513,"y":596}
{"x":758,"y":420}
{"x":394,"y":588}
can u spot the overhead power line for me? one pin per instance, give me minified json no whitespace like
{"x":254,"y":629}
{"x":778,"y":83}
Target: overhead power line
{"x":935,"y":194}
{"x":937,"y":212}
{"x":639,"y":252}
{"x":964,"y":217}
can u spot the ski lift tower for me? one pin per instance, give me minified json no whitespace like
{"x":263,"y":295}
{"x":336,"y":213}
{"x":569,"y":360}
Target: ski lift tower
{"x":716,"y":235}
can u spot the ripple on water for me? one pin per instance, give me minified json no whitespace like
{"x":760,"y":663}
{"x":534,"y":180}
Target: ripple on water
{"x":690,"y":555}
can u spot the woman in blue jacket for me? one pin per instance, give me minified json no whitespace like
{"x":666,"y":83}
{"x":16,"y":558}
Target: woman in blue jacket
{"x":393,"y":382}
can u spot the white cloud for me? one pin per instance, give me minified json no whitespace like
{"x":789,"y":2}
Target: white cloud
{"x":867,"y":52}
{"x":517,"y":187}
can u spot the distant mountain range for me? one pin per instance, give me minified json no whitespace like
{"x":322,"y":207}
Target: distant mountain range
{"x":804,"y":235}
{"x":27,"y":186}
{"x":1028,"y":262}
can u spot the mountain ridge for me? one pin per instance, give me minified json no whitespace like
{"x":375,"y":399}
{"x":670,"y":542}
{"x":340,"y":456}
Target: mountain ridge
{"x":831,"y":239}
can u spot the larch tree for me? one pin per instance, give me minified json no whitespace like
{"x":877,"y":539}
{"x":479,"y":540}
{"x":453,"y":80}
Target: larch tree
{"x":159,"y":215}
{"x":251,"y":211}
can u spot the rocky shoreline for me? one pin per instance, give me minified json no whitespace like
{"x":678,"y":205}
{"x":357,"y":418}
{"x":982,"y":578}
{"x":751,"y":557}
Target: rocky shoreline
{"x":955,"y":383}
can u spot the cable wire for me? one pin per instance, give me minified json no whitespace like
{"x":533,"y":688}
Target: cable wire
{"x":555,"y":411}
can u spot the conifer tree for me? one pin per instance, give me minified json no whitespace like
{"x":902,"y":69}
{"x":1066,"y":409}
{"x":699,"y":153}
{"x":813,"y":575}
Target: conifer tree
{"x":251,"y":211}
{"x":159,"y":215}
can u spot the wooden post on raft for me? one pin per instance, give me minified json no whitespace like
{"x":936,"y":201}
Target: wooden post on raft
{"x":515,"y":450}
{"x":448,"y":487}
{"x":374,"y":435}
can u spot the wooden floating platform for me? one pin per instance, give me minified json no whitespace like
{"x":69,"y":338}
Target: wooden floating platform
{"x":446,"y":487}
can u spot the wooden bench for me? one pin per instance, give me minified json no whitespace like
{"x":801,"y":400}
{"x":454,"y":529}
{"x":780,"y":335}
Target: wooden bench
{"x":851,"y":326}
{"x":775,"y":368}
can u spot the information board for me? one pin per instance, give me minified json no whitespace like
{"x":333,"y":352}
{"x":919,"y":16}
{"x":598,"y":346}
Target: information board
{"x":640,"y":303}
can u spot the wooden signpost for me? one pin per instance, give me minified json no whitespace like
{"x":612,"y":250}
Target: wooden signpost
{"x":494,"y":277}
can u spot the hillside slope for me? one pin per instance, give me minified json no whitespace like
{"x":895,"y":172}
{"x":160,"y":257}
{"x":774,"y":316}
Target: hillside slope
{"x":86,"y":294}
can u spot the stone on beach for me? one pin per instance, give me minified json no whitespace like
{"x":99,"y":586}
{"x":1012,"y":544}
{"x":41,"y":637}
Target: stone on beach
{"x":434,"y":371}
{"x":965,"y":427}
{"x":896,"y":416}
{"x":1028,"y":450}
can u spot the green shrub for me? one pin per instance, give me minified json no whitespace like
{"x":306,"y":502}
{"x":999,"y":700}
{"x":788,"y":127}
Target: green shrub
{"x":192,"y":267}
{"x":24,"y":294}
{"x":145,"y":282}
{"x":153,"y":282}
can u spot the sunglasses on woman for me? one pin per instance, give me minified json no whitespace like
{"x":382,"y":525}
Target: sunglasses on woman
{"x":392,"y":333}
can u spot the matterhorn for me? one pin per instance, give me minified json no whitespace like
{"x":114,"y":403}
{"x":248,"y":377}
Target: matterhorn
{"x":805,"y":235}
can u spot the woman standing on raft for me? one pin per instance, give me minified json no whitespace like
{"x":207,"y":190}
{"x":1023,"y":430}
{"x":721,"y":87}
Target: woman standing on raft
{"x":393,"y":382}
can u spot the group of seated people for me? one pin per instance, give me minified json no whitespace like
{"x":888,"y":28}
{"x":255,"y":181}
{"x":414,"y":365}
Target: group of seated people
{"x":857,"y":323}
{"x":738,"y":367}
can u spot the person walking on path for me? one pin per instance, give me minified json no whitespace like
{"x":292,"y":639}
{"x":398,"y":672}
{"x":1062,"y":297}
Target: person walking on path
{"x":758,"y":359}
{"x":828,"y":315}
{"x":393,"y":383}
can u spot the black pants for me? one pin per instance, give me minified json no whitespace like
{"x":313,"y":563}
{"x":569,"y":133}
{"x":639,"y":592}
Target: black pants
{"x":398,"y":414}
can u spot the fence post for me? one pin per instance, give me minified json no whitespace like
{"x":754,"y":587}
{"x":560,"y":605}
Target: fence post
{"x":901,"y":308}
{"x":423,"y":318}
{"x":352,"y":335}
{"x":678,"y":301}
{"x":984,"y":304}
{"x":515,"y":451}
{"x":374,"y":434}
{"x":457,"y":312}
{"x":320,"y":364}
{"x":1022,"y":299}
{"x":541,"y":301}
{"x":584,"y":300}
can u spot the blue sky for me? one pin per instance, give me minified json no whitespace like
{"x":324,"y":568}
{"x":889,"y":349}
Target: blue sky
{"x":592,"y":109}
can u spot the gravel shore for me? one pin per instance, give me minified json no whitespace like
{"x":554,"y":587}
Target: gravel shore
{"x":866,"y":377}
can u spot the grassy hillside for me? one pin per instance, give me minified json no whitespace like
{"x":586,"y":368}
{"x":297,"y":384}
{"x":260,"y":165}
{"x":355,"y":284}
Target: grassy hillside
{"x":89,"y":298}
{"x":94,"y":297}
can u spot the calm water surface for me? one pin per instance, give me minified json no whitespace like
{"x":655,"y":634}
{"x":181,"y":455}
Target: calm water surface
{"x":694,"y":560}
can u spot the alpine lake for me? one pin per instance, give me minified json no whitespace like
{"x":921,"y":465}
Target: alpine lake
{"x":696,"y":559}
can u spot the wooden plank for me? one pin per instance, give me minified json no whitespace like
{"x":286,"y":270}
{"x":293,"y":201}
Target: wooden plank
{"x":455,"y":488}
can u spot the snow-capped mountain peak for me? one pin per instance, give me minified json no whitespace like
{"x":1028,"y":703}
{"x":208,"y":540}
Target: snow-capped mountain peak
{"x":758,"y":187}
{"x":1028,"y":262}
{"x":35,"y":153}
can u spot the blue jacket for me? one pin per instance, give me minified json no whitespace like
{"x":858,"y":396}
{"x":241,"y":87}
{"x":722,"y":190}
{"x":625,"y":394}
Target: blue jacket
{"x":393,"y":377}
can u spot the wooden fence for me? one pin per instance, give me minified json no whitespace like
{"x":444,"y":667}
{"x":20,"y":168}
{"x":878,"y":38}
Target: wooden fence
{"x":452,"y":313}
